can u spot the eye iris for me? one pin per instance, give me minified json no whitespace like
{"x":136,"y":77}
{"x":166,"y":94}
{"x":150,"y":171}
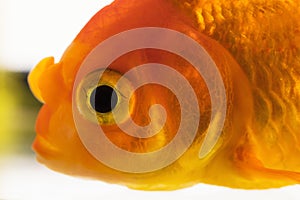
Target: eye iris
{"x":103,"y":99}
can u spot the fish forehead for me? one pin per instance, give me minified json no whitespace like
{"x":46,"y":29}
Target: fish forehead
{"x":118,"y":17}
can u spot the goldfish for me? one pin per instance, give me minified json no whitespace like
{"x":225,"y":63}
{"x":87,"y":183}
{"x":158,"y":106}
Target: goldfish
{"x":105,"y":118}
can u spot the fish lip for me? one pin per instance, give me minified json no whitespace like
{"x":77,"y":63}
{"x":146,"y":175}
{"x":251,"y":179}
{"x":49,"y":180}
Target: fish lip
{"x":44,"y":148}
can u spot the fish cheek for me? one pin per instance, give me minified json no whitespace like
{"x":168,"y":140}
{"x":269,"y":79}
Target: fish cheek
{"x":145,"y":98}
{"x":56,"y":134}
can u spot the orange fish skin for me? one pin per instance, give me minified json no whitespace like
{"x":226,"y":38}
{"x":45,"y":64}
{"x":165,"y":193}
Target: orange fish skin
{"x":263,"y":37}
{"x":262,"y":102}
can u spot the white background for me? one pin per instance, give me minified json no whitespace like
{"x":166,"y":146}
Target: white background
{"x":33,"y":29}
{"x":23,"y":178}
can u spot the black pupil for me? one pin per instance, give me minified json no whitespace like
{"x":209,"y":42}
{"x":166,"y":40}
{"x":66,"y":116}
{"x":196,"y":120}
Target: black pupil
{"x":103,"y":99}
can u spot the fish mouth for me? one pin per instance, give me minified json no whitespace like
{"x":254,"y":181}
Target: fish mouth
{"x":43,"y":148}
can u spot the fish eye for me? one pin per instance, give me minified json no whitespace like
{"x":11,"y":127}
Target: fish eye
{"x":98,"y":95}
{"x":103,"y":99}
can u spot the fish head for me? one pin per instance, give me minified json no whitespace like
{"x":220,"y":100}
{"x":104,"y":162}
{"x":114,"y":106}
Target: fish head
{"x":93,"y":100}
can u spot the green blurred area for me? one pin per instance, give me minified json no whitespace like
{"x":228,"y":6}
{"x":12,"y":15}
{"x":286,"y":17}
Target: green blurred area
{"x":18,"y":112}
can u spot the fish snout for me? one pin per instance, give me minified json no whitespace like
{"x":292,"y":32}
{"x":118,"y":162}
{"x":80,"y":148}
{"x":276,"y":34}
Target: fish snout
{"x":35,"y":74}
{"x":46,"y":82}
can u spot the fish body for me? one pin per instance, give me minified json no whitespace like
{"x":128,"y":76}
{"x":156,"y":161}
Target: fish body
{"x":255,"y":46}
